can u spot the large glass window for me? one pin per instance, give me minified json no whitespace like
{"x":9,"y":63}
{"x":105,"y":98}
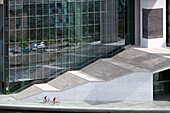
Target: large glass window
{"x":161,"y":83}
{"x":50,"y":37}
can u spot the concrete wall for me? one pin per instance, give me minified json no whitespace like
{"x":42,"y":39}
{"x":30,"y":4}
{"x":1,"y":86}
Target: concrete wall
{"x":137,"y":22}
{"x":132,"y":87}
{"x":156,"y":42}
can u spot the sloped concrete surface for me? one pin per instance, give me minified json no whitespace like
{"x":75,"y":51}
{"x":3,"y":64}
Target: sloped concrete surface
{"x":127,"y":62}
{"x":125,"y":65}
{"x":28,"y":92}
{"x":67,"y":81}
{"x":105,"y":71}
{"x":143,"y":59}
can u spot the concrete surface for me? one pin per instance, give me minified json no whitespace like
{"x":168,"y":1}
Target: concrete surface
{"x":132,"y":87}
{"x":7,"y":102}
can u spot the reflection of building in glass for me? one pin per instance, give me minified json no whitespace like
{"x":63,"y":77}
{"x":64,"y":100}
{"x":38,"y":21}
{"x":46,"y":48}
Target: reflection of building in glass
{"x":66,"y":35}
{"x":44,"y":38}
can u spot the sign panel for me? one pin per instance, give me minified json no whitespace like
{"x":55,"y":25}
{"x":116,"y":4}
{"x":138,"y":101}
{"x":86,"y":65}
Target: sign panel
{"x":152,"y":23}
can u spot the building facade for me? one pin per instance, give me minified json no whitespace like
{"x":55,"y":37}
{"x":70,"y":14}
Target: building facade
{"x":41,"y":39}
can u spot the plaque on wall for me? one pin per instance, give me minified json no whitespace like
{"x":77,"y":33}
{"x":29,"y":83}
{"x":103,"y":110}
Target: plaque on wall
{"x":152,"y":23}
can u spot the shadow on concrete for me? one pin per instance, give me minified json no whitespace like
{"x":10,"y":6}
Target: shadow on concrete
{"x":2,"y":93}
{"x":164,"y":54}
{"x":13,"y":111}
{"x":100,"y":102}
{"x":162,"y":97}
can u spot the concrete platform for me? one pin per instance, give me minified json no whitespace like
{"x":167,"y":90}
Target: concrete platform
{"x":8,"y":103}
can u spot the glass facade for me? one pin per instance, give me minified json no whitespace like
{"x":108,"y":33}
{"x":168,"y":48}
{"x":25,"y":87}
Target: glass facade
{"x":1,"y":50}
{"x":44,"y":38}
{"x":161,"y":83}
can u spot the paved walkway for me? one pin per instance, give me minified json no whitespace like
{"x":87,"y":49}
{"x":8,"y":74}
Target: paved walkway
{"x":7,"y":102}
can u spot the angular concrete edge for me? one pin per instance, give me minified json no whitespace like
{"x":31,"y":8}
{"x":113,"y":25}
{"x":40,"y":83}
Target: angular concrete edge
{"x":86,"y":76}
{"x":66,"y":81}
{"x":46,"y":87}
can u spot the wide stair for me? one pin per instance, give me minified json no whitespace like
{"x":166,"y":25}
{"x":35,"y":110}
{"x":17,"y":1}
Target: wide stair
{"x":129,"y":61}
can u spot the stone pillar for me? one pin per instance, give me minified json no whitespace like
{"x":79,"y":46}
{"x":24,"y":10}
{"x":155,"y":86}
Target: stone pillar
{"x":152,"y":23}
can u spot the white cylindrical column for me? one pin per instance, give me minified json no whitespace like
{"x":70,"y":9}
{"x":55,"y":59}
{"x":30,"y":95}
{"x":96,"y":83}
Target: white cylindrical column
{"x":1,"y":1}
{"x":152,"y":23}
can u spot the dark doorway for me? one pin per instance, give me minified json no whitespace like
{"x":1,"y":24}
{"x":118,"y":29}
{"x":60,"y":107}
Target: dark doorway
{"x":161,"y":85}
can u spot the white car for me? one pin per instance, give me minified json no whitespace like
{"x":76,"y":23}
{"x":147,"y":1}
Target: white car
{"x":41,"y":46}
{"x":34,"y":47}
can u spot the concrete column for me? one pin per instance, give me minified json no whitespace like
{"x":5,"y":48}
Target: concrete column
{"x":137,"y":22}
{"x":109,"y":21}
{"x":1,"y":1}
{"x":152,"y":23}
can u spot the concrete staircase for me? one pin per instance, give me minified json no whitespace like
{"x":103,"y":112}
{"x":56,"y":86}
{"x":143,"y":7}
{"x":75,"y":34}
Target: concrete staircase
{"x":129,"y":62}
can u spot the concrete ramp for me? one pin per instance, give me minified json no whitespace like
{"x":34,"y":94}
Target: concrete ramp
{"x":66,"y":81}
{"x":126,"y":76}
{"x":33,"y":90}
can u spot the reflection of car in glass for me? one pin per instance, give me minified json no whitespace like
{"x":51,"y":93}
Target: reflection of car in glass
{"x":15,"y":50}
{"x":35,"y":47}
{"x":26,"y":50}
{"x":41,"y":46}
{"x":11,"y":50}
